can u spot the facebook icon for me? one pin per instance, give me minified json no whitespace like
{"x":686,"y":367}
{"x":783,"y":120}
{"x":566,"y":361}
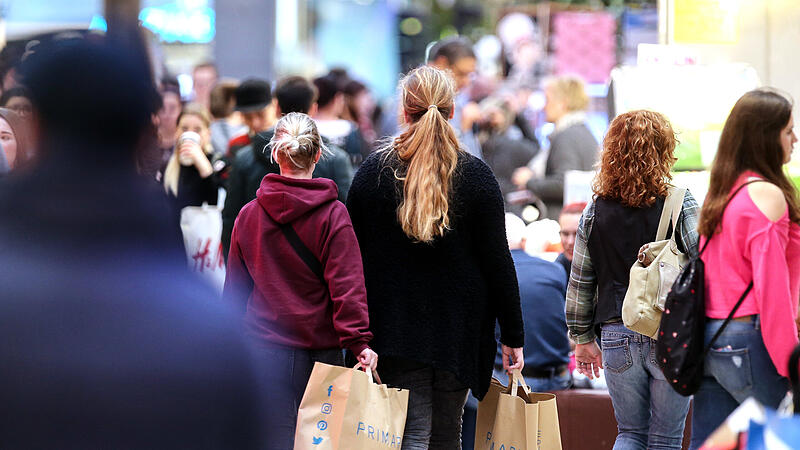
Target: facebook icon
{"x":330,"y":388}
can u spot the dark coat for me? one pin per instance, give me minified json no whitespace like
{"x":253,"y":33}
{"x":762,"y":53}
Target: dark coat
{"x":573,"y":148}
{"x":437,"y":303}
{"x":106,"y":340}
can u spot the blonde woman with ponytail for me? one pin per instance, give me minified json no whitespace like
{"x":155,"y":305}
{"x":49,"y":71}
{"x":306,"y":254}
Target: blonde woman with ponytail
{"x":430,"y":224}
{"x":297,"y":311}
{"x":188,"y":177}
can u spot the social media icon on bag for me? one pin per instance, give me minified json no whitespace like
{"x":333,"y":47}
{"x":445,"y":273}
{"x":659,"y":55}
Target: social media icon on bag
{"x":330,"y":389}
{"x":327,"y":408}
{"x":322,"y":425}
{"x":316,"y":440}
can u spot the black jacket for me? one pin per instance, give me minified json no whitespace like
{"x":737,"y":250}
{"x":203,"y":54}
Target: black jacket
{"x":438,"y":303}
{"x":193,"y":190}
{"x":253,"y":163}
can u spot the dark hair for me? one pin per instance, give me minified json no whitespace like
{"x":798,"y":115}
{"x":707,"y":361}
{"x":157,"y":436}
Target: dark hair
{"x":351,"y":90}
{"x":327,"y":88}
{"x":94,"y":107}
{"x":222,"y":99}
{"x":16,"y":91}
{"x":340,"y":76}
{"x":750,"y":141}
{"x":168,"y":82}
{"x":295,"y":94}
{"x":452,"y":49}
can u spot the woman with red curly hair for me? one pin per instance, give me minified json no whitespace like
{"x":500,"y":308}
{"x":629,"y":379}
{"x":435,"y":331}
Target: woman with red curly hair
{"x":630,"y":189}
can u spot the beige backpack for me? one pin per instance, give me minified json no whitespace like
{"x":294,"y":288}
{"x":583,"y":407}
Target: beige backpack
{"x":650,"y":282}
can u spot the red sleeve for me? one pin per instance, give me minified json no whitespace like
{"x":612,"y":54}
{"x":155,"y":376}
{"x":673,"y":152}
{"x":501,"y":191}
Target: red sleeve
{"x":238,"y":282}
{"x":344,"y":273}
{"x":767,"y":247}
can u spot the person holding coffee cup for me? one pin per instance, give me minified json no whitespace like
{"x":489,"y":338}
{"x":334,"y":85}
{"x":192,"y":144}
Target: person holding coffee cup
{"x":188,"y":176}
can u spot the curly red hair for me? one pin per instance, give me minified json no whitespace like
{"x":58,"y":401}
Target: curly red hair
{"x":637,"y":156}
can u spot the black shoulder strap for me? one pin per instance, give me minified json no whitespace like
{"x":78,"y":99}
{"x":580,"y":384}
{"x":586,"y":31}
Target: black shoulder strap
{"x":726,"y":205}
{"x":302,"y":251}
{"x":727,"y":320}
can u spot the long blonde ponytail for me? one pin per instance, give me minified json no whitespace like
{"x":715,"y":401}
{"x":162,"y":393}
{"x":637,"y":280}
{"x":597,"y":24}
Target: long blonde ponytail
{"x":430,"y":149}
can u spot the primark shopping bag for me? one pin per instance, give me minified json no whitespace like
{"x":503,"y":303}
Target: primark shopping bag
{"x":344,"y":409}
{"x":523,"y":420}
{"x":202,"y":230}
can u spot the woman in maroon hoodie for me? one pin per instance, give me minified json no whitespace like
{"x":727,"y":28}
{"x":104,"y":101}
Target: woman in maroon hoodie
{"x":299,"y":309}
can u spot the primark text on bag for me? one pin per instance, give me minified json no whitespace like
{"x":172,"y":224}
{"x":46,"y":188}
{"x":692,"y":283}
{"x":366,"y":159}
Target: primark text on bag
{"x":344,"y":409}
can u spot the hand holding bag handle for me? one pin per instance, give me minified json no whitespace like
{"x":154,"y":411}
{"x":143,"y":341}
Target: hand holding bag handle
{"x":370,"y":373}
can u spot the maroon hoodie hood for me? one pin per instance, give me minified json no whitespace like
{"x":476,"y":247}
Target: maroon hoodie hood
{"x":285,"y":199}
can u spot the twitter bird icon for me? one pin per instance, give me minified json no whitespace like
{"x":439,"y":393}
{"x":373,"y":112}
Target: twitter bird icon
{"x":316,"y":440}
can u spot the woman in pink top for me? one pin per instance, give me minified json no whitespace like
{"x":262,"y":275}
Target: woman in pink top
{"x":755,"y":238}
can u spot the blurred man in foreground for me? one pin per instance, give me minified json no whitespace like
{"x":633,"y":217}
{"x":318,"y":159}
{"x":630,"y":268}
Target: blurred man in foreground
{"x":105,"y":339}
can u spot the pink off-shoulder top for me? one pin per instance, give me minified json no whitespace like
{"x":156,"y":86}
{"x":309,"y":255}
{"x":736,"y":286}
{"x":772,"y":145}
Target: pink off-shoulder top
{"x":752,"y":247}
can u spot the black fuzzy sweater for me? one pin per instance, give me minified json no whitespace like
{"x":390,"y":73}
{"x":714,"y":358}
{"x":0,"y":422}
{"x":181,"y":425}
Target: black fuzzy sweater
{"x":437,"y":303}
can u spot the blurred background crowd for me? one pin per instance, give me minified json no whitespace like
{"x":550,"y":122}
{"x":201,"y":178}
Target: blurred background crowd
{"x":538,"y":82}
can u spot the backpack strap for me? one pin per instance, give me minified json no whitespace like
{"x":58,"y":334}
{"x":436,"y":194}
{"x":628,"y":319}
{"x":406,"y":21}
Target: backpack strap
{"x":302,"y":251}
{"x":727,"y":320}
{"x":726,"y":205}
{"x":673,"y":205}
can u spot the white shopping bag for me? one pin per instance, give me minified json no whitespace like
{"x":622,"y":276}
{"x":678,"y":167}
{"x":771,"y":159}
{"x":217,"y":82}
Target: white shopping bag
{"x":202,"y":229}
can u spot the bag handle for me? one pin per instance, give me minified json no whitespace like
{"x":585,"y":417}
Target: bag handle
{"x":673,"y":205}
{"x":370,"y":373}
{"x":677,"y":208}
{"x":515,"y":382}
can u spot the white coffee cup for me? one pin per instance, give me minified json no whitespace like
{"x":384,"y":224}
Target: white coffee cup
{"x":187,"y":160}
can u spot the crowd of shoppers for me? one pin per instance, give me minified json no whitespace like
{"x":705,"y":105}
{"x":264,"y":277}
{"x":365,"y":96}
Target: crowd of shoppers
{"x":424,"y":266}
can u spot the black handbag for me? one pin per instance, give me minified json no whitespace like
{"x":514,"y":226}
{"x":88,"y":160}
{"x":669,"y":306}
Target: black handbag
{"x":679,"y":349}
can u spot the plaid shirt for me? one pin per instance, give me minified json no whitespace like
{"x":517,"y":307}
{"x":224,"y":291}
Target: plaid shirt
{"x":582,"y":288}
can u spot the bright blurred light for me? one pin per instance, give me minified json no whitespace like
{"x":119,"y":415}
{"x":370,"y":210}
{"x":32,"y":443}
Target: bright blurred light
{"x":98,"y":23}
{"x":411,"y":26}
{"x":187,"y":21}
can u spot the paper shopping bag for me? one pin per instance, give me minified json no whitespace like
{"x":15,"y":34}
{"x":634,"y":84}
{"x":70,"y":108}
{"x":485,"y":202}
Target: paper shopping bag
{"x":487,"y":408}
{"x":344,"y":409}
{"x":202,"y":230}
{"x":523,"y":420}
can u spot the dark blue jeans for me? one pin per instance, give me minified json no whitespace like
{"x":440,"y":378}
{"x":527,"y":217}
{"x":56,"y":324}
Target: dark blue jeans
{"x":650,"y":414}
{"x":737,"y":367}
{"x":435,"y":403}
{"x":284,"y":372}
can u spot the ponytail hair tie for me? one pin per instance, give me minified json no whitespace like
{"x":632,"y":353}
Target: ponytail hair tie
{"x":433,"y":107}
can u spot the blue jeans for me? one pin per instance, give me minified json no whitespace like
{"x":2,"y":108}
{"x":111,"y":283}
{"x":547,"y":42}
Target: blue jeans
{"x":435,"y":403}
{"x":284,"y":372}
{"x":737,"y":367}
{"x":650,"y":414}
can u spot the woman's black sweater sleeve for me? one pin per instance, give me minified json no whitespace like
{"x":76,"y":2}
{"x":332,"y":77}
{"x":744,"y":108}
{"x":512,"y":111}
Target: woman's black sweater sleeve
{"x":494,"y":254}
